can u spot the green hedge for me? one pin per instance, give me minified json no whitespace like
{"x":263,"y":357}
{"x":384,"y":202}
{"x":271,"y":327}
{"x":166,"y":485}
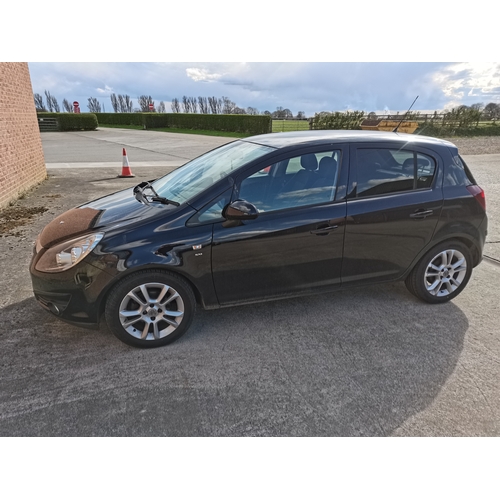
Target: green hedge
{"x":227,"y":123}
{"x":156,"y":120}
{"x":261,"y":124}
{"x":121,"y":118}
{"x":73,"y":121}
{"x":349,"y":120}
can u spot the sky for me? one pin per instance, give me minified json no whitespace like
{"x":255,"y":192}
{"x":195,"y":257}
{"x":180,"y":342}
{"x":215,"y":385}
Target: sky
{"x":310,"y":87}
{"x":368,"y":56}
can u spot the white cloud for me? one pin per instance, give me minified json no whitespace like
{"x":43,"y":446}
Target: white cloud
{"x":106,"y":90}
{"x":202,"y":75}
{"x":468,"y":83}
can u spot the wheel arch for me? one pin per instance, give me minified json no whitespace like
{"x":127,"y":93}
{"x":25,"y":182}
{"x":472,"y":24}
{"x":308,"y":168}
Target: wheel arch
{"x":460,"y":237}
{"x":105,"y":293}
{"x":454,"y":280}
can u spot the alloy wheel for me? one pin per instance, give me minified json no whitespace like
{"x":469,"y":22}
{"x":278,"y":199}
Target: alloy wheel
{"x":445,"y":272}
{"x":151,"y":311}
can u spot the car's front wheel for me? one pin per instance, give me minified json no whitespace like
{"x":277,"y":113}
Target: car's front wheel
{"x":442,"y":273}
{"x":150,"y":308}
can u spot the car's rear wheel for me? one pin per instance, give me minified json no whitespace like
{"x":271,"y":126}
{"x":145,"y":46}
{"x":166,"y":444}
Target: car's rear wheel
{"x":442,"y":273}
{"x":150,"y":308}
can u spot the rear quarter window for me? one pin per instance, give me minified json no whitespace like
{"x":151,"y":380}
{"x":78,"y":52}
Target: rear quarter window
{"x":457,"y":173}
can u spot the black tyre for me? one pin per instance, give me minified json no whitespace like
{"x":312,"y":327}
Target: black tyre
{"x":442,"y":273}
{"x":150,"y":308}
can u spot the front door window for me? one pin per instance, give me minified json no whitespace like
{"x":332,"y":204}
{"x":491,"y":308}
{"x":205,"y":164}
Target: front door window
{"x":309,"y":179}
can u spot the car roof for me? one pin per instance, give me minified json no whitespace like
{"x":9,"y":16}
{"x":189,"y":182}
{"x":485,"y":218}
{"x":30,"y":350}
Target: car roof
{"x":319,"y":137}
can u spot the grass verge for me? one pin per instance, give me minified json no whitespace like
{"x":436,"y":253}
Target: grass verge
{"x":218,"y":133}
{"x":135,"y":127}
{"x":181,"y":131}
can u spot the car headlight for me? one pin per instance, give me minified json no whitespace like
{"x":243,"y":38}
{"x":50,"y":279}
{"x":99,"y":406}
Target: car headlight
{"x":65,"y":255}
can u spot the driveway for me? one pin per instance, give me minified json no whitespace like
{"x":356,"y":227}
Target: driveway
{"x":372,"y":361}
{"x":103,"y":147}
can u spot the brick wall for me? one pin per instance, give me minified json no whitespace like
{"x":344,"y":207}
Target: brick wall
{"x":22,"y":164}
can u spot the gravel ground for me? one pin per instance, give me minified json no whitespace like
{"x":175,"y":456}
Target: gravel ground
{"x":476,"y":145}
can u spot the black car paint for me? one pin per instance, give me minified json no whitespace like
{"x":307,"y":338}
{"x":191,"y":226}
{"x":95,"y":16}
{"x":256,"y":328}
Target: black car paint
{"x":382,"y":235}
{"x":269,"y":256}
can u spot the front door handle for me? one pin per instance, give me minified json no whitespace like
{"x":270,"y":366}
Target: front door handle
{"x":421,"y":214}
{"x":323,"y":231}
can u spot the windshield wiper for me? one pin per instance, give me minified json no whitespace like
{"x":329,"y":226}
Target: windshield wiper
{"x":165,"y":201}
{"x":139,"y":194}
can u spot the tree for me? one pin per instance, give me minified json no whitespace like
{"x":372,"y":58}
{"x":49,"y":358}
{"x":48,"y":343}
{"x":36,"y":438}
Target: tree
{"x":279,"y":114}
{"x":186,"y":104}
{"x":144,"y":102}
{"x":203,"y":102}
{"x":213,"y":103}
{"x":372,"y":115}
{"x":128,"y":103}
{"x":301,"y":115}
{"x":491,"y":111}
{"x":239,"y":111}
{"x":114,"y":102}
{"x":121,"y":103}
{"x":39,"y":105}
{"x":462,"y":117}
{"x":48,"y":100}
{"x":52,"y":103}
{"x":176,"y":107}
{"x":67,"y":106}
{"x":125,"y":103}
{"x":193,"y":103}
{"x":252,"y":111}
{"x":228,"y":106}
{"x":94,"y":105}
{"x":161,"y":107}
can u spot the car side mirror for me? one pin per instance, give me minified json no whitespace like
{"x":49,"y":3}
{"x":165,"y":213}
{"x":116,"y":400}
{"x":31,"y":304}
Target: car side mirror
{"x":240,"y":210}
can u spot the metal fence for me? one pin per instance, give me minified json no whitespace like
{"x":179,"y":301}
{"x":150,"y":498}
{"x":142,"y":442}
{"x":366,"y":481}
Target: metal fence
{"x":48,"y":124}
{"x":290,"y":125}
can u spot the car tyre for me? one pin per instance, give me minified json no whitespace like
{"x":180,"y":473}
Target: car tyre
{"x":442,"y":273}
{"x":150,"y":308}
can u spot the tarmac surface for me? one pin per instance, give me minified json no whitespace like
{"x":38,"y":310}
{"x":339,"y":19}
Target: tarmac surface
{"x":371,"y":361}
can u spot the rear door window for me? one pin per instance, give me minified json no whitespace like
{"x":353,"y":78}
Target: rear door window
{"x":384,"y":171}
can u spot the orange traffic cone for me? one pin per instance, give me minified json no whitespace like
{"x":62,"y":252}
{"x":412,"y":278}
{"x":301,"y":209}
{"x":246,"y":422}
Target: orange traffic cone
{"x":126,"y":172}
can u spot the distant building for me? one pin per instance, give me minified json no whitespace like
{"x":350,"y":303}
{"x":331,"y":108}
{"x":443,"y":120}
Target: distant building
{"x":22,"y":164}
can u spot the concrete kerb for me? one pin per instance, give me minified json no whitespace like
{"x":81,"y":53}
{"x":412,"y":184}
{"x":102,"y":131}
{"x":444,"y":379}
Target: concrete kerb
{"x":169,"y":165}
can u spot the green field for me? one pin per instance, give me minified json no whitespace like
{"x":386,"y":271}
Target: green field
{"x":290,"y":125}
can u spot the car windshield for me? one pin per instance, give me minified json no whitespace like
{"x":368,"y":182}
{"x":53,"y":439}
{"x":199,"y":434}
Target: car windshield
{"x":191,"y":179}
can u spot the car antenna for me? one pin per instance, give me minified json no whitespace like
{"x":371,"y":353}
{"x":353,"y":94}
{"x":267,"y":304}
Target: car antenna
{"x":402,"y":119}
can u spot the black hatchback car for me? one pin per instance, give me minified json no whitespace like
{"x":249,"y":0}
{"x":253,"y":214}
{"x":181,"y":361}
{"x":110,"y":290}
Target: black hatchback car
{"x":266,"y":217}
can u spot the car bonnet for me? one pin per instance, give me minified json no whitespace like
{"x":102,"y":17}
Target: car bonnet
{"x":119,"y":208}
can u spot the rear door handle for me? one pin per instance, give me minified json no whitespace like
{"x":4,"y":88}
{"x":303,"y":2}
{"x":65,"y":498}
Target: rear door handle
{"x":421,"y":214}
{"x":324,"y":230}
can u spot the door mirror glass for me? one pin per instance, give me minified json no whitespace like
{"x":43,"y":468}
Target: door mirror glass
{"x":240,"y":210}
